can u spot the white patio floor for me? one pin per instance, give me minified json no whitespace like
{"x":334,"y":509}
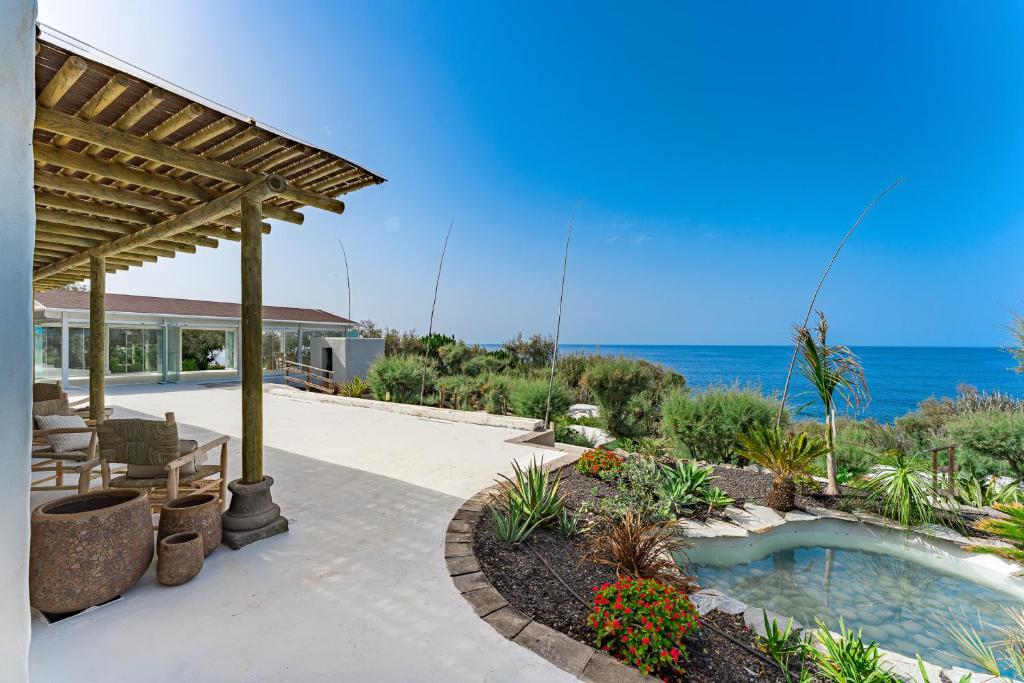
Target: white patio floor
{"x":356,"y":591}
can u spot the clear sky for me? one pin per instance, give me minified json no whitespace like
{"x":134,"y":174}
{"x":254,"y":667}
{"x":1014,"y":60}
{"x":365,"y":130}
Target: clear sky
{"x":719,"y":150}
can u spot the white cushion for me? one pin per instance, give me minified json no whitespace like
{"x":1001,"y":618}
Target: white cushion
{"x":64,"y":443}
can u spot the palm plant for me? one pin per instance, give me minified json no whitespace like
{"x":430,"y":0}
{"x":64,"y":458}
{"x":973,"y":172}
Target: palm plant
{"x":1010,"y":529}
{"x":902,"y":488}
{"x":786,"y":455}
{"x":835,"y":373}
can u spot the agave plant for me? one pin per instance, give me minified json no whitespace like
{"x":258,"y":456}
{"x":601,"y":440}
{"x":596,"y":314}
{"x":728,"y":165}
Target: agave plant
{"x":835,"y":373}
{"x":983,"y":492}
{"x":684,"y":485}
{"x":786,"y":455}
{"x":1010,"y":530}
{"x":534,"y":490}
{"x":354,"y":388}
{"x":902,"y":489}
{"x":716,"y":498}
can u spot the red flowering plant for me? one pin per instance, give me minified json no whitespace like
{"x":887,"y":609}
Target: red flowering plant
{"x":598,"y":460}
{"x":643,"y":622}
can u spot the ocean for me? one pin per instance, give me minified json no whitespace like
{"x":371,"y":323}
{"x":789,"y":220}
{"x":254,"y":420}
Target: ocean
{"x":898,"y":377}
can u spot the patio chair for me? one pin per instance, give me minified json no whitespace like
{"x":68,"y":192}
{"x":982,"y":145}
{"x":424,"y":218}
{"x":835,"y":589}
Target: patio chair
{"x":159,"y":461}
{"x":57,"y":452}
{"x":49,"y":398}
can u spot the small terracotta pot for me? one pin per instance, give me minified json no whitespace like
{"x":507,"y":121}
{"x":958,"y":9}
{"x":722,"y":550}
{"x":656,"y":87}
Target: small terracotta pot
{"x":180,"y":558}
{"x":199,"y":512}
{"x":88,"y":548}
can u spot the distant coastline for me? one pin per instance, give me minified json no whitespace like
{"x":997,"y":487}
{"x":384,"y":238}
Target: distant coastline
{"x":899,"y":377}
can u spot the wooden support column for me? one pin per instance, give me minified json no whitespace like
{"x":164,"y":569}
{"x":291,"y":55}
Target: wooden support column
{"x":252,"y":340}
{"x":97,"y":336}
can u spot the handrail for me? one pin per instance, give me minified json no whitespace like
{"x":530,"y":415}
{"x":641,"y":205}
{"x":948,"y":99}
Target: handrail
{"x":309,"y":377}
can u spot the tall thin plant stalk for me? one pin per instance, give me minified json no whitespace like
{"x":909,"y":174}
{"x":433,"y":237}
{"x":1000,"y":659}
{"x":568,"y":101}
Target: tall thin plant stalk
{"x":348,"y":282}
{"x":433,"y":307}
{"x":558,"y":322}
{"x":817,"y":290}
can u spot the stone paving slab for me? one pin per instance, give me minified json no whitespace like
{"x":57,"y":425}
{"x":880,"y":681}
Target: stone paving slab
{"x":556,"y":647}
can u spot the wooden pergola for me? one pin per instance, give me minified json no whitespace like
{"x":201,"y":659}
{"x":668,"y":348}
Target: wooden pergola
{"x":129,"y":172}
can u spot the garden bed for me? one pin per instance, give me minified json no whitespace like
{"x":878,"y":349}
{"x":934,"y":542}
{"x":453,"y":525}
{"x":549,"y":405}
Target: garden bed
{"x":530,"y":577}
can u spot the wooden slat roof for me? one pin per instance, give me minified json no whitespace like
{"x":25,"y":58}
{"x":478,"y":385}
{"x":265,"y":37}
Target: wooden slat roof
{"x":88,"y":193}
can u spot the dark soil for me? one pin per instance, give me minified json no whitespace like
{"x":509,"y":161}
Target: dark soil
{"x":748,"y":486}
{"x":528,"y":577}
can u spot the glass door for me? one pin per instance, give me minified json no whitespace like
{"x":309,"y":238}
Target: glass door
{"x":172,"y":353}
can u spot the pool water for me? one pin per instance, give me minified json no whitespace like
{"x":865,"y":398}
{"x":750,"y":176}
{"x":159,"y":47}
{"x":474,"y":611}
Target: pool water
{"x":903,"y":591}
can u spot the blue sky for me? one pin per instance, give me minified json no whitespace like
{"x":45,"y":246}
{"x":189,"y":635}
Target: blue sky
{"x":720,"y":151}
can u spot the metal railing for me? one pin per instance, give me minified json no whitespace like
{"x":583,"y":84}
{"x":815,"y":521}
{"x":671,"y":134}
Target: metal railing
{"x":308,"y":378}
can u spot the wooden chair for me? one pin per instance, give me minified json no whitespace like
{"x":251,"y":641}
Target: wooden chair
{"x":49,"y":398}
{"x":159,"y":461}
{"x":56,"y":465}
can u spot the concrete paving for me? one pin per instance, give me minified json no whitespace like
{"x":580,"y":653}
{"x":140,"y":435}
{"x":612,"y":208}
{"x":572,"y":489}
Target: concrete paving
{"x":356,"y":591}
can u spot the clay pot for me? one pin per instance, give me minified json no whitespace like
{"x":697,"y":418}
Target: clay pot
{"x":88,"y":549}
{"x":180,"y":558}
{"x":199,"y":512}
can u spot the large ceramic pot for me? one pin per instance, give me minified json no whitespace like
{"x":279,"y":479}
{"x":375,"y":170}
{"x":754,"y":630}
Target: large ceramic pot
{"x":199,"y":512}
{"x":88,"y":549}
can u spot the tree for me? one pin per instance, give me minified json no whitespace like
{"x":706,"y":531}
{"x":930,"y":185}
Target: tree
{"x":369,"y":329}
{"x":531,"y":353}
{"x":202,"y":346}
{"x":1017,"y":351}
{"x":834,"y":372}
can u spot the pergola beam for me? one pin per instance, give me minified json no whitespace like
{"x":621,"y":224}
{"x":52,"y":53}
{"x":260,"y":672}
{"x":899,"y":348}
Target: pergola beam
{"x":118,"y":228}
{"x":133,"y":176}
{"x":257,"y":190}
{"x":59,"y":123}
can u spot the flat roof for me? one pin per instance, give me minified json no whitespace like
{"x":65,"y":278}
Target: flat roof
{"x":71,"y":300}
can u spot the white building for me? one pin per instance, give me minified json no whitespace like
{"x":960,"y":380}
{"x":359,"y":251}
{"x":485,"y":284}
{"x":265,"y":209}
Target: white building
{"x":147,"y":336}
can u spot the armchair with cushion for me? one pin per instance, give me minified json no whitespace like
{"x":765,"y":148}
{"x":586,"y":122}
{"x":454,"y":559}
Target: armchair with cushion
{"x":65,"y":445}
{"x":159,"y":461}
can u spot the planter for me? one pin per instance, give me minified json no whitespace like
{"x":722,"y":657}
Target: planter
{"x":180,"y":558}
{"x":88,"y":549}
{"x":199,"y":512}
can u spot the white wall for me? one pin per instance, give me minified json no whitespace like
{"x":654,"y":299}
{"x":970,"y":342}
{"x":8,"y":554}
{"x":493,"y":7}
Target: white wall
{"x":17,"y":220}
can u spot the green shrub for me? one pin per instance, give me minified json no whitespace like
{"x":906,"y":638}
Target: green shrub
{"x":496,"y":390}
{"x":354,"y":388}
{"x":189,"y":365}
{"x":638,"y":482}
{"x":615,"y":383}
{"x":452,"y":357}
{"x":484,"y":364}
{"x":528,"y":398}
{"x":992,"y":440}
{"x":846,"y":658}
{"x":707,"y":425}
{"x":398,"y":378}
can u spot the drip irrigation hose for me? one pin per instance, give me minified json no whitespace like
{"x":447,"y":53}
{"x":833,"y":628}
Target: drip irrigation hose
{"x":760,"y":655}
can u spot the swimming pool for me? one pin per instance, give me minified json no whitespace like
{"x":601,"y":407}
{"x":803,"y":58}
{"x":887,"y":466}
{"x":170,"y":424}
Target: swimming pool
{"x":899,"y":588}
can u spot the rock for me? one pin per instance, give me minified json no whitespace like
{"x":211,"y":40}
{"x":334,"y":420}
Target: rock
{"x":907,"y":668}
{"x":829,"y":513}
{"x":797,"y":516}
{"x":730,"y":606}
{"x":705,"y":603}
{"x":712,"y":528}
{"x":753,"y":617}
{"x":584,"y":410}
{"x":755,"y":518}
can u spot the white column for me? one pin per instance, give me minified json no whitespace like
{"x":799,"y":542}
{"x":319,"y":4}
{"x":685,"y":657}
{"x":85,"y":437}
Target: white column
{"x":65,"y":349}
{"x":17,"y":228}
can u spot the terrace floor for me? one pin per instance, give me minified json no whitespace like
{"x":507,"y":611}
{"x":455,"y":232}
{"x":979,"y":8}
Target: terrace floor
{"x":356,"y":591}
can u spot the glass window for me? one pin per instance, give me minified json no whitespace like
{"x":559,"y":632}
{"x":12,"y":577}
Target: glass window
{"x":203,"y":349}
{"x":291,"y":344}
{"x":133,"y":350}
{"x":46,"y":344}
{"x":78,"y":351}
{"x":273,"y":341}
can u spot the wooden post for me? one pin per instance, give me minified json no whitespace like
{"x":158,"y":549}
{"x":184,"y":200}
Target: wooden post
{"x":252,"y":341}
{"x":952,"y":468}
{"x":97,"y":336}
